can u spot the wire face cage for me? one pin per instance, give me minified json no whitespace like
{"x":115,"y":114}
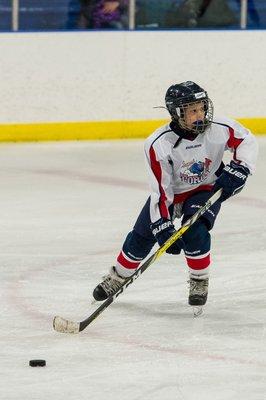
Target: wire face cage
{"x":199,"y":126}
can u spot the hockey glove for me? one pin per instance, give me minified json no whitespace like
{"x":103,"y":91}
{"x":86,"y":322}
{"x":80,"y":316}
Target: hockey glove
{"x":232,"y":180}
{"x":162,"y":230}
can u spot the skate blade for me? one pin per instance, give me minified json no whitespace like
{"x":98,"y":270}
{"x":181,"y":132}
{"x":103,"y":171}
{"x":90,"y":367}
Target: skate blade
{"x":197,"y":311}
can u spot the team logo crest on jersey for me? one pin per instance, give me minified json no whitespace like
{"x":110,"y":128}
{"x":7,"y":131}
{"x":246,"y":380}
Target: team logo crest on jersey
{"x":194,"y":172}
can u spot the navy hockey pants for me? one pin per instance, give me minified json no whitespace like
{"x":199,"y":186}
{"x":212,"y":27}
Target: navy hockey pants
{"x":197,"y":240}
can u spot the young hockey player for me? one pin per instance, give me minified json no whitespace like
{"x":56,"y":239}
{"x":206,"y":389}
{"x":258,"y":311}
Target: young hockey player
{"x":184,"y":159}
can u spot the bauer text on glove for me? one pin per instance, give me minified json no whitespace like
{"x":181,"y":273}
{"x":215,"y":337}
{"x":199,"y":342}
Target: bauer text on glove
{"x":163,"y":229}
{"x":232,"y":180}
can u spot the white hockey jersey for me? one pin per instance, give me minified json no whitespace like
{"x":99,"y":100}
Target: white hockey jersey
{"x":178,"y":168}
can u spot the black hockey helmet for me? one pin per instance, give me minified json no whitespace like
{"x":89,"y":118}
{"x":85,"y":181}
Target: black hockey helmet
{"x":181,"y":95}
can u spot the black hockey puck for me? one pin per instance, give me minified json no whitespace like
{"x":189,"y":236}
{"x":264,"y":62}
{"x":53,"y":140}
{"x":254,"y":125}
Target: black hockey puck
{"x":37,"y":363}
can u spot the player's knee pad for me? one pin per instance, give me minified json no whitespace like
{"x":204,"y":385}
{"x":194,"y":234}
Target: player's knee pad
{"x":195,"y":202}
{"x":137,"y":245}
{"x":197,"y":237}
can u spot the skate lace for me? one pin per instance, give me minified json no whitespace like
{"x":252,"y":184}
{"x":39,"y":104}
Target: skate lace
{"x":110,"y":285}
{"x":198,"y":287}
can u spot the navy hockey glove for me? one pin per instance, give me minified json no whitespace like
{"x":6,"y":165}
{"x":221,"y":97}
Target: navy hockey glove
{"x":162,"y":230}
{"x":232,"y":180}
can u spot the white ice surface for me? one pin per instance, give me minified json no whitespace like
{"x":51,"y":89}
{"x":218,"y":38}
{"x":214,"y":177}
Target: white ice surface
{"x":65,"y":209}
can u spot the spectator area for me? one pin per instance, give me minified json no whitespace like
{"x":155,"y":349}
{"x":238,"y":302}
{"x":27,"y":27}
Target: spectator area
{"x":151,"y":14}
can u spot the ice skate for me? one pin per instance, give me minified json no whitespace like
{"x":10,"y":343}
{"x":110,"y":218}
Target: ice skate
{"x":198,"y":293}
{"x":111,"y":284}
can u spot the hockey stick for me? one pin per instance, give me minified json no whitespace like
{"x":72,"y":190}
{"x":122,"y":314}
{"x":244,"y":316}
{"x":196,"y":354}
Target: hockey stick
{"x":65,"y":326}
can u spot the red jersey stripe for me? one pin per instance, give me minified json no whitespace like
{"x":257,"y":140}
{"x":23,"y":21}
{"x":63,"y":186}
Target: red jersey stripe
{"x":233,"y":142}
{"x":157,"y":170}
{"x":179,"y":198}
